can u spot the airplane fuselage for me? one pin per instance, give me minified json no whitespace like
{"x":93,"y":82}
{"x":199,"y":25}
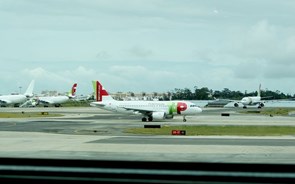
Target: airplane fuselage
{"x":251,"y":100}
{"x":57,"y":100}
{"x":157,"y":109}
{"x":12,"y":99}
{"x":52,"y":100}
{"x":149,"y":110}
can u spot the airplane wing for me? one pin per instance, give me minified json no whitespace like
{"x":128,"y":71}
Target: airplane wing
{"x":267,"y":97}
{"x":46,"y":101}
{"x":142,"y":111}
{"x":93,"y":104}
{"x":135,"y":110}
{"x":5,"y":101}
{"x":233,"y":100}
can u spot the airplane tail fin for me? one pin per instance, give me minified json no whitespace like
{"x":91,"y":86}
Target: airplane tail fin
{"x":259,"y":91}
{"x":29,"y":91}
{"x":72,"y":92}
{"x":100,"y":94}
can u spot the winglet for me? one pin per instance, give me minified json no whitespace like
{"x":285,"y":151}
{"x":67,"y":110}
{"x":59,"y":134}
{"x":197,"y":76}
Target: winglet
{"x":100,"y":93}
{"x":29,"y":91}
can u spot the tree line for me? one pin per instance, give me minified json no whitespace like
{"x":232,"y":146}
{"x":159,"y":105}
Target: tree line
{"x":205,"y":93}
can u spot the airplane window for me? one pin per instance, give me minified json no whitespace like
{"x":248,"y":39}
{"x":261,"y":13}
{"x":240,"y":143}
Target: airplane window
{"x":109,"y":80}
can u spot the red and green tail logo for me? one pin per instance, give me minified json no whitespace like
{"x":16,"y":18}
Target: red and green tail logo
{"x":99,"y":91}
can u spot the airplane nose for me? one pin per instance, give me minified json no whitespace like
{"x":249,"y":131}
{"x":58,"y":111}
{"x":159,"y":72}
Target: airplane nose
{"x":199,"y":109}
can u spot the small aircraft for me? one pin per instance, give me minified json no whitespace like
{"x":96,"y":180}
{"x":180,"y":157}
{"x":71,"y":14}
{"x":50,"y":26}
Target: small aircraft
{"x":252,"y":100}
{"x":17,"y":100}
{"x":150,"y":110}
{"x":57,"y":100}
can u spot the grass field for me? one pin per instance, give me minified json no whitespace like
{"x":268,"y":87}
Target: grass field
{"x":218,"y":130}
{"x":27,"y":114}
{"x":270,"y":111}
{"x":229,"y":129}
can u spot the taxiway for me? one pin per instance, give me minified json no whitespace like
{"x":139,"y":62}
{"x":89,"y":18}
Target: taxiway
{"x":91,"y":133}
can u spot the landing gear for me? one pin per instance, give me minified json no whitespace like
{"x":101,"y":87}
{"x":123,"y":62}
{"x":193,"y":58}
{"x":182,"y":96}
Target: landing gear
{"x":144,"y":119}
{"x":150,"y":118}
{"x":184,"y":120}
{"x":245,"y":107}
{"x":260,"y":105}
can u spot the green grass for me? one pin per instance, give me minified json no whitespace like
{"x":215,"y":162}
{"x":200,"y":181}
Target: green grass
{"x":218,"y":130}
{"x":277,"y":111}
{"x":26,"y":115}
{"x":270,"y":111}
{"x":76,"y":104}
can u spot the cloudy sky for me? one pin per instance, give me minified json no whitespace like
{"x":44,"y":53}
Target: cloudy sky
{"x":147,"y":45}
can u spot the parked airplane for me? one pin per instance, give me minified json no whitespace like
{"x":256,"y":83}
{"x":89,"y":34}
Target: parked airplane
{"x":18,"y":99}
{"x":150,"y":110}
{"x":252,"y":100}
{"x":57,"y":100}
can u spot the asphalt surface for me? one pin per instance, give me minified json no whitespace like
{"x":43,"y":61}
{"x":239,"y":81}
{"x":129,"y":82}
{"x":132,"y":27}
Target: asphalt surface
{"x":91,"y":133}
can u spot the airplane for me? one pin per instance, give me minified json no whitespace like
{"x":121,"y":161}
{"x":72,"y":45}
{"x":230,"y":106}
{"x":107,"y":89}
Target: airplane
{"x":150,"y":110}
{"x":252,"y":100}
{"x":17,"y":99}
{"x":57,"y":100}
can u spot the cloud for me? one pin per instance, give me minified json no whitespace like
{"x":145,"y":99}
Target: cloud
{"x":148,"y":44}
{"x":262,"y":51}
{"x":51,"y":80}
{"x":260,"y":41}
{"x":139,"y":78}
{"x":103,"y":55}
{"x":42,"y":74}
{"x":80,"y":71}
{"x":140,"y":52}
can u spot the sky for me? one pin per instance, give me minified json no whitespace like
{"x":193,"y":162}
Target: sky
{"x":147,"y":45}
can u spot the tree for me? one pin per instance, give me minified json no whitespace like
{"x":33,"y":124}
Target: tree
{"x":207,"y":94}
{"x":187,"y":94}
{"x":202,"y":94}
{"x":143,"y":94}
{"x":131,"y":94}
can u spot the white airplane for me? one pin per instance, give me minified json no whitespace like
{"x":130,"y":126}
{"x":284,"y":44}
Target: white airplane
{"x":252,"y":100}
{"x":57,"y":100}
{"x":18,"y":99}
{"x":150,"y":110}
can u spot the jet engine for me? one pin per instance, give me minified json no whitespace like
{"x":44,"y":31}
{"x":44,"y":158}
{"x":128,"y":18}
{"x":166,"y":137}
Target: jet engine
{"x":260,"y":105}
{"x":236,"y":105}
{"x":159,"y":115}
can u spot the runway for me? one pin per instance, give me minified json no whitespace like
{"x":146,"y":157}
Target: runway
{"x":91,"y":133}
